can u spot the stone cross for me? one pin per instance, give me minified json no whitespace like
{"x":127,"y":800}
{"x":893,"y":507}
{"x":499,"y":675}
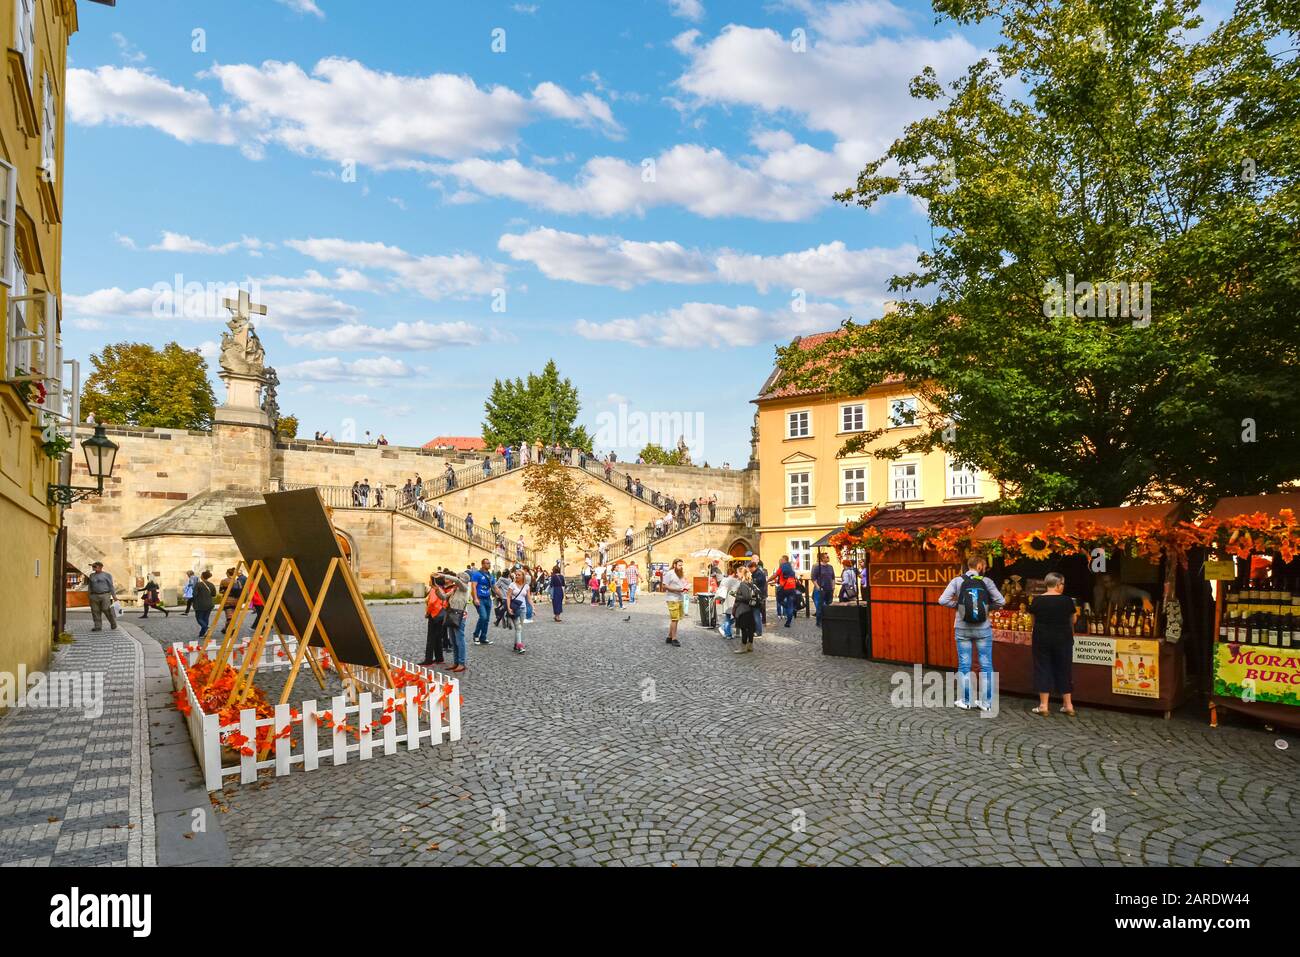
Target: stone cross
{"x":242,"y":307}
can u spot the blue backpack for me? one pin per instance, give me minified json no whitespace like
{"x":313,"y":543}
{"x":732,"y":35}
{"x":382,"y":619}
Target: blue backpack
{"x":973,"y":600}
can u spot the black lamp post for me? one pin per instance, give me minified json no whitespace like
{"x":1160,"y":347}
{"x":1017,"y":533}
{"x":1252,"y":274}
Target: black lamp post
{"x":496,"y":528}
{"x":101,"y":456}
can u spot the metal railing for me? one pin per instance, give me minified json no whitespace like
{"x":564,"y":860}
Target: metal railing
{"x":472,"y":532}
{"x":648,"y":537}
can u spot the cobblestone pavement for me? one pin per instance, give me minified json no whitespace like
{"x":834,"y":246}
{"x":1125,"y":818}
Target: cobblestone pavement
{"x":74,"y":786}
{"x":602,"y":745}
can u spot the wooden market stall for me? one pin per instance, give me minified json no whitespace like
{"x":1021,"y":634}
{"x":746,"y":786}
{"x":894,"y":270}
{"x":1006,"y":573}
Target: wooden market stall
{"x":1253,"y":557}
{"x":1125,"y":568}
{"x":1129,"y":647}
{"x":896,"y":611}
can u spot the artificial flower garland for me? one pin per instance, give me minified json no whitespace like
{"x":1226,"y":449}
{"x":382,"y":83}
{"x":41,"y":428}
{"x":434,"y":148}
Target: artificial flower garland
{"x":1239,"y":535}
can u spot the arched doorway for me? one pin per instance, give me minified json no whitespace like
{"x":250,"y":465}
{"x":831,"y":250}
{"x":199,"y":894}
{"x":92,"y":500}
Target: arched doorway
{"x":348,"y":546}
{"x":740,"y":548}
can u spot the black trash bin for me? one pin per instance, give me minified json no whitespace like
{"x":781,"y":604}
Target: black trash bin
{"x":845,"y":630}
{"x":708,"y":615}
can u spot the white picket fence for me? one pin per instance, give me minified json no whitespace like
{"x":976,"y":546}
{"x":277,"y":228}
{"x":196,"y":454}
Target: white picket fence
{"x":433,"y":719}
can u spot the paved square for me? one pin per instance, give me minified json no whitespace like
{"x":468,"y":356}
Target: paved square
{"x":602,"y":745}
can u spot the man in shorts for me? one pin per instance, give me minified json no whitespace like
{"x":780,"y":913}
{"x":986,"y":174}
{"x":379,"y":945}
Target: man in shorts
{"x":674,"y":583}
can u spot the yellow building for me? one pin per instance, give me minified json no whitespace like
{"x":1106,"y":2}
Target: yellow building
{"x":34,"y":395}
{"x":806,"y":489}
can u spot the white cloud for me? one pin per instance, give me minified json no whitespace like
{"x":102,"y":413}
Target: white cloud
{"x":342,"y":111}
{"x":703,"y":180}
{"x":851,"y":19}
{"x":857,"y":92}
{"x":303,"y":6}
{"x":687,"y":9}
{"x":347,"y":280}
{"x":180,"y":243}
{"x":585,"y":110}
{"x":125,"y":241}
{"x":606,"y":260}
{"x":126,"y":96}
{"x":126,"y":49}
{"x":419,"y":335}
{"x":434,"y":277}
{"x":209,"y":349}
{"x":88,"y":325}
{"x":286,"y":308}
{"x":333,"y":369}
{"x":700,"y":324}
{"x":831,"y":269}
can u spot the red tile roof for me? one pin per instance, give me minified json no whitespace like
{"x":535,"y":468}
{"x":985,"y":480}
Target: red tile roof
{"x":461,"y":443}
{"x":772,"y":389}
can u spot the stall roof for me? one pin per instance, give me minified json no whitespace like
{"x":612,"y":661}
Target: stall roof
{"x":1250,"y":504}
{"x":910,"y":520}
{"x":992,"y":526}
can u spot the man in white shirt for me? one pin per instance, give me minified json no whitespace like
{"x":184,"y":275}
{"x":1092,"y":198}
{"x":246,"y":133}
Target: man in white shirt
{"x":674,"y":583}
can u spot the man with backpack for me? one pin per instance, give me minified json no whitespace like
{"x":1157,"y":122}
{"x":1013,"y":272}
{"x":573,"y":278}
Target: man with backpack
{"x":974,"y":596}
{"x":787,"y":586}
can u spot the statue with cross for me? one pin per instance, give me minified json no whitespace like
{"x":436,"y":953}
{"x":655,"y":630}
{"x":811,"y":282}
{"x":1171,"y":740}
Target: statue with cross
{"x":241,"y":350}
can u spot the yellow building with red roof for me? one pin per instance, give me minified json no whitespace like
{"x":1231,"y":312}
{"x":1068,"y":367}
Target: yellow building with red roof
{"x":806,"y":489}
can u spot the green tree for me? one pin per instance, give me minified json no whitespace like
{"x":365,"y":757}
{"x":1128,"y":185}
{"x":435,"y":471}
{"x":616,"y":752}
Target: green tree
{"x":558,"y":509}
{"x":519,"y":410}
{"x":655,"y":454}
{"x":1106,"y":142}
{"x":135,"y":384}
{"x":287,"y":427}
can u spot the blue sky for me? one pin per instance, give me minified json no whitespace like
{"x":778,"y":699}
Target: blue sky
{"x":641,"y":189}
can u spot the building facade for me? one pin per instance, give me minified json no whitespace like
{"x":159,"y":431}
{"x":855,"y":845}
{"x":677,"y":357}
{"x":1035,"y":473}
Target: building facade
{"x":33,"y":391}
{"x":807,"y":489}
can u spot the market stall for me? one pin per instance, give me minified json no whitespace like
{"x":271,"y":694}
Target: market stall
{"x":1125,"y":568}
{"x":1253,"y":558}
{"x":895,"y":615}
{"x":1121,"y":567}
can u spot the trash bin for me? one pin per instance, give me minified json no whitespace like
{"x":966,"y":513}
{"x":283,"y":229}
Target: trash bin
{"x":708,"y":616}
{"x":845,"y":630}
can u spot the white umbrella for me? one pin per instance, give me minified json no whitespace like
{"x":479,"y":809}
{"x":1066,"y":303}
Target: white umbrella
{"x":710,"y":553}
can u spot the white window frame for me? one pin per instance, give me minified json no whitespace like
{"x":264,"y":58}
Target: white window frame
{"x":863,"y":482}
{"x":806,"y":486}
{"x":18,"y":345}
{"x":915,"y":481}
{"x":894,"y":423}
{"x":800,"y":552}
{"x":807,"y":424}
{"x":956,"y":471}
{"x":25,"y":36}
{"x":861,"y":408}
{"x":8,"y":222}
{"x":49,"y":130}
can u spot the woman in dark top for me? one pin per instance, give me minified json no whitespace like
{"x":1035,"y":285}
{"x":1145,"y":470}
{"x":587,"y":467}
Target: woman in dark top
{"x":557,"y":591}
{"x":1053,"y":645}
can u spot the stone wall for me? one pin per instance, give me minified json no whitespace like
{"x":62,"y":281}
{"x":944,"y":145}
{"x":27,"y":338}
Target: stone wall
{"x":156,"y":470}
{"x":732,"y":486}
{"x":330,"y":463}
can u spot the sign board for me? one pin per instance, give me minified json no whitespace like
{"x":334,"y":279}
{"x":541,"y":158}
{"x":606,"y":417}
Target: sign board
{"x":1094,"y":650}
{"x":1134,"y":670}
{"x":1224,"y":570}
{"x":1255,"y":673}
{"x":913,"y":574}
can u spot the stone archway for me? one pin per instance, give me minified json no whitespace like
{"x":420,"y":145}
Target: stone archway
{"x":740,"y":548}
{"x":348,"y":546}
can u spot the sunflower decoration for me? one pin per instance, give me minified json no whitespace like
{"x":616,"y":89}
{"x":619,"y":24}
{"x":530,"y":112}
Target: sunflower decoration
{"x":1035,"y":545}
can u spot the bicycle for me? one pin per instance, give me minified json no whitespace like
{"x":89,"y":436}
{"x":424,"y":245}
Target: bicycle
{"x":575,"y":592}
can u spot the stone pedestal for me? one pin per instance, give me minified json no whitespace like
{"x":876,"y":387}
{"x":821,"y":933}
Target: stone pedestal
{"x":242,"y":453}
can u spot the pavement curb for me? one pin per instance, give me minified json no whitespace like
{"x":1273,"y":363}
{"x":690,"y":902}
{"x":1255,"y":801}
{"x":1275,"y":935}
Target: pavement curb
{"x":181,"y":821}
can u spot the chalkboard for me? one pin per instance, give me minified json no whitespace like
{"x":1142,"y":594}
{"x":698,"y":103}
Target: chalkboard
{"x":258,"y":539}
{"x":306,"y":536}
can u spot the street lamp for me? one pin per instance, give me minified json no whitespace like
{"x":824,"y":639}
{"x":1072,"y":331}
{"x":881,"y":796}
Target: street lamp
{"x":101,"y":456}
{"x":496,"y":528}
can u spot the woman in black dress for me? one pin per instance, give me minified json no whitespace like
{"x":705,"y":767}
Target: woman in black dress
{"x":557,"y":591}
{"x":1053,"y":645}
